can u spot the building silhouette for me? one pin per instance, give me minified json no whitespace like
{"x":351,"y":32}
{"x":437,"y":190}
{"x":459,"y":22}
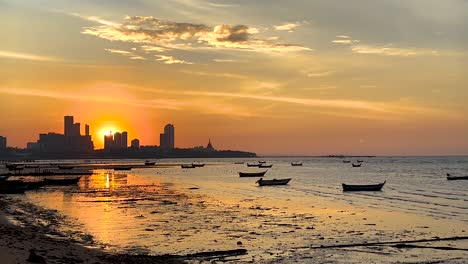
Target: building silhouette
{"x":135,"y":144}
{"x":108,"y":141}
{"x":116,"y":142}
{"x":167,"y":139}
{"x":3,"y":143}
{"x":210,"y":147}
{"x":124,"y":140}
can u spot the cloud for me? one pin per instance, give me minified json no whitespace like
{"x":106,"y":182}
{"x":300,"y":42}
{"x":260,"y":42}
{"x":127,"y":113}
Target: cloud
{"x":128,"y":54}
{"x":345,"y":41}
{"x":288,"y":26}
{"x":169,"y":34}
{"x":171,"y":60}
{"x":94,"y":19}
{"x":215,"y":74}
{"x":319,"y":74}
{"x":392,"y":51}
{"x":153,"y":49}
{"x":224,"y":60}
{"x":25,"y":56}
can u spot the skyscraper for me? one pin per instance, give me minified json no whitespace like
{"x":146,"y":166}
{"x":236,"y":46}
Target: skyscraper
{"x":76,"y":130}
{"x":124,"y":139}
{"x":135,"y":144}
{"x":68,"y":125}
{"x":167,"y":139}
{"x":117,"y":140}
{"x":3,"y":143}
{"x":108,"y":141}
{"x":86,"y":130}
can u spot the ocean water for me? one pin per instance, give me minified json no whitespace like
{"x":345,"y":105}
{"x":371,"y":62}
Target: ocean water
{"x":173,"y":210}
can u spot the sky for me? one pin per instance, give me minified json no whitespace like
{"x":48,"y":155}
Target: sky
{"x":297,"y":77}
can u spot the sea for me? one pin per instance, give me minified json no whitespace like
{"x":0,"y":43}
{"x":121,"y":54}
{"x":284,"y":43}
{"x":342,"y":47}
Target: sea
{"x":165,"y":209}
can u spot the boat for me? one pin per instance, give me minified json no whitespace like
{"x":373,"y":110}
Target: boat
{"x":239,"y":162}
{"x":149,"y":163}
{"x":187,"y":166}
{"x":62,"y":181}
{"x":360,"y":161}
{"x":198,"y":165}
{"x":296,"y":163}
{"x":31,"y":166}
{"x":252,"y":174}
{"x":263,"y":182}
{"x":356,"y":165}
{"x":346,"y":161}
{"x":121,"y":168}
{"x":265,"y":166}
{"x":261,"y":161}
{"x":13,"y":189}
{"x":253,"y":165}
{"x":66,"y":167}
{"x":370,"y":187}
{"x":452,"y":178}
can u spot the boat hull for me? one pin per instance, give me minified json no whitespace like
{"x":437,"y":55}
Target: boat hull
{"x":363,"y":188}
{"x":252,"y":174}
{"x":273,"y":182}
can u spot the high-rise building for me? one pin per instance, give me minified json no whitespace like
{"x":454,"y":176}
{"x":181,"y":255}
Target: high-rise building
{"x":76,"y":130}
{"x":167,"y":139}
{"x":108,"y":141}
{"x":124,"y":139}
{"x":3,"y":143}
{"x":68,"y":125}
{"x":117,"y":140}
{"x":86,"y":130}
{"x":135,"y":144}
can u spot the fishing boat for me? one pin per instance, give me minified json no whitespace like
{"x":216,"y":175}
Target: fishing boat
{"x":296,"y":163}
{"x":356,"y":165}
{"x":265,"y":166}
{"x":62,"y":181}
{"x":360,"y":161}
{"x":66,"y":167}
{"x":198,"y":165}
{"x":370,"y":187}
{"x":252,"y":174}
{"x":187,"y":166}
{"x":346,"y":161}
{"x":263,"y":182}
{"x":452,"y":178}
{"x":253,"y":165}
{"x":261,"y":161}
{"x":239,"y":162}
{"x":122,"y":168}
{"x":149,"y":163}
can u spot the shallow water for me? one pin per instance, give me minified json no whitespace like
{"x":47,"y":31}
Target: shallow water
{"x":153,"y":210}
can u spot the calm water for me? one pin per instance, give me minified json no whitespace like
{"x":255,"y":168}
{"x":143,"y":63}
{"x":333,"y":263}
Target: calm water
{"x":121,"y":208}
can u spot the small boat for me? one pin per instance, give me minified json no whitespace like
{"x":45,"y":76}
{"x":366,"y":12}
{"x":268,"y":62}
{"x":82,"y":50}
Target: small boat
{"x":253,"y":165}
{"x":263,"y":182}
{"x":356,"y":165}
{"x":149,"y":163}
{"x":13,"y":189}
{"x":187,"y":166}
{"x":261,"y":161}
{"x":265,"y":166}
{"x":296,"y":163}
{"x":252,"y":174}
{"x":31,"y":166}
{"x":360,"y":161}
{"x":66,"y":167}
{"x":452,"y":178}
{"x":122,"y":168}
{"x":239,"y":162}
{"x":346,"y":161}
{"x":65,"y":181}
{"x":371,"y":187}
{"x":198,"y":165}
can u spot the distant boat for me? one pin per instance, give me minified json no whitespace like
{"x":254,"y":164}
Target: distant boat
{"x":360,"y":161}
{"x":198,"y":165}
{"x":252,"y":174}
{"x":149,"y":163}
{"x":13,"y":166}
{"x":122,"y":168}
{"x":296,"y":163}
{"x":66,"y":181}
{"x":346,"y":161}
{"x":265,"y":166}
{"x":187,"y":166}
{"x":66,"y":167}
{"x":253,"y":165}
{"x":263,"y":182}
{"x":261,"y":161}
{"x":239,"y":162}
{"x":31,"y":166}
{"x":356,"y":165}
{"x":452,"y":178}
{"x":371,"y":187}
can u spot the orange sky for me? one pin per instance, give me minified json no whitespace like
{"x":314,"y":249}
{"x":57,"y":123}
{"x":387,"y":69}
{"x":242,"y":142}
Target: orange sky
{"x":268,"y":80}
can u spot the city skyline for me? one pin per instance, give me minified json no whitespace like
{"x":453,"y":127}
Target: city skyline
{"x":302,"y":78}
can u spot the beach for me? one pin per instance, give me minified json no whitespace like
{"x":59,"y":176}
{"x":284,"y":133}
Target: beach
{"x":168,"y":211}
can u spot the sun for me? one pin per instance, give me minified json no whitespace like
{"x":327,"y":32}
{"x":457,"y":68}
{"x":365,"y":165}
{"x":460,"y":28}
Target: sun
{"x":107,"y":131}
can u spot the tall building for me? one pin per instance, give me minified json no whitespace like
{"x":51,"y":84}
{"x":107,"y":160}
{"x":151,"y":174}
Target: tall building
{"x":108,"y":141}
{"x":3,"y":143}
{"x":167,"y":139}
{"x":117,"y":140}
{"x":86,"y":130}
{"x":135,"y":144}
{"x":124,"y":140}
{"x":68,"y":125}
{"x":76,"y":130}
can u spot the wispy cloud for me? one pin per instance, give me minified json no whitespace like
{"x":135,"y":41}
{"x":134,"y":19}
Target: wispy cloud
{"x":153,"y":49}
{"x":224,"y":60}
{"x":216,"y":74}
{"x":345,"y":41}
{"x":288,"y":26}
{"x":171,"y":60}
{"x":94,"y":19}
{"x":128,"y":54}
{"x":319,"y":73}
{"x":393,"y":51}
{"x":25,"y":56}
{"x":169,"y":34}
